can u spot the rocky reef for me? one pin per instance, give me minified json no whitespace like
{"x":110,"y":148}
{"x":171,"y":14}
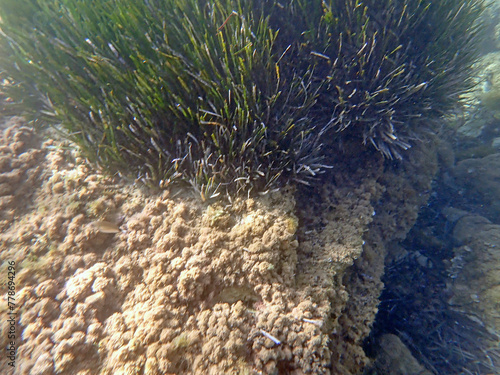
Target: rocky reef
{"x":113,"y":278}
{"x":309,"y":153}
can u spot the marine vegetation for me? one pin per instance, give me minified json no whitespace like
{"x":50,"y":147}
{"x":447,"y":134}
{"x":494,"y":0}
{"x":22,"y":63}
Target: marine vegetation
{"x":414,"y":306}
{"x":234,"y":95}
{"x":171,"y":90}
{"x":388,"y":70}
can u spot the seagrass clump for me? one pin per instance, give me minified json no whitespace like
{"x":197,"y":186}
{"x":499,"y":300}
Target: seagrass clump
{"x":166,"y":91}
{"x":234,"y":95}
{"x":387,"y":70}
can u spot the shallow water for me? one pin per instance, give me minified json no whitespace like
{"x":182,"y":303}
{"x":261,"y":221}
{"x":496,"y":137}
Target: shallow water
{"x":383,"y":267}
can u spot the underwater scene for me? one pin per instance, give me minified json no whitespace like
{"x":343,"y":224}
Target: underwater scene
{"x":250,"y":187}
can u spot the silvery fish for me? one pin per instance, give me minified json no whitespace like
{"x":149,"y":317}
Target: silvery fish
{"x":105,"y":226}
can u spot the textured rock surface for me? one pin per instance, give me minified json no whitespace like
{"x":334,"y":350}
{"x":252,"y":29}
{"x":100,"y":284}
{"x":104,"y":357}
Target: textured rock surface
{"x":20,"y":169}
{"x":184,"y":287}
{"x":394,"y":358}
{"x":480,"y":179}
{"x":478,"y":125}
{"x":475,"y":270}
{"x":398,"y":194}
{"x":190,"y":287}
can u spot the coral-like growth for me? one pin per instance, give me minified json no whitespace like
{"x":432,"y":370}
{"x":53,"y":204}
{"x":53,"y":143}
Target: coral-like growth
{"x":183,"y":287}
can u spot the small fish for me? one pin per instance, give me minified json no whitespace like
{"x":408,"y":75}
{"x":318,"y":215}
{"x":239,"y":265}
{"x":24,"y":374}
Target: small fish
{"x":105,"y":226}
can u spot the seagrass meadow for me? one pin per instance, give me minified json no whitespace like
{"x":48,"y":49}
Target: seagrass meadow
{"x":235,"y":96}
{"x":315,"y":132}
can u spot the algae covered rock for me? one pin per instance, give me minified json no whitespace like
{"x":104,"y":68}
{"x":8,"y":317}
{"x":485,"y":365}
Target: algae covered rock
{"x":185,"y":287}
{"x":394,"y":358}
{"x":475,"y":270}
{"x":480,"y":178}
{"x":191,"y":287}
